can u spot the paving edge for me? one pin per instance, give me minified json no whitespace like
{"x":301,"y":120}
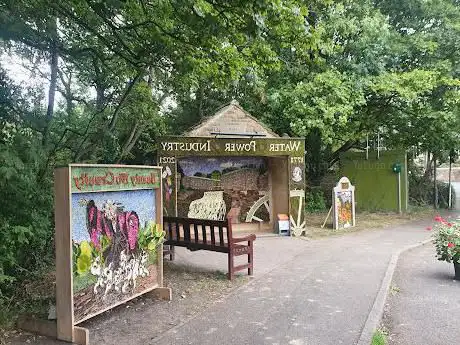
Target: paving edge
{"x":375,"y":315}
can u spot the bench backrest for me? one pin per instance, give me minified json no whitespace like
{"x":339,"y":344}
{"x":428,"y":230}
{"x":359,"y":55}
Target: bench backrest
{"x":198,"y":233}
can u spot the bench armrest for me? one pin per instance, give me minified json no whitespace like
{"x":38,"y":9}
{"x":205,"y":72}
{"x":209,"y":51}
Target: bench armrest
{"x":251,"y":237}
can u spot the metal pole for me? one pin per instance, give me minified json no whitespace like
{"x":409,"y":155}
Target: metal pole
{"x":450,"y":181}
{"x":435,"y":182}
{"x":367,"y":146}
{"x":399,"y":192}
{"x":378,"y":145}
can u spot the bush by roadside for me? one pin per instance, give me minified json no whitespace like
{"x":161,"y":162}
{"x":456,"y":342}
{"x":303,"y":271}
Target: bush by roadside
{"x":421,"y":191}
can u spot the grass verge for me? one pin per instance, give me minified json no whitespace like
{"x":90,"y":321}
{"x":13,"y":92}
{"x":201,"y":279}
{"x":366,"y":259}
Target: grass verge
{"x":379,"y":338}
{"x":364,"y":221}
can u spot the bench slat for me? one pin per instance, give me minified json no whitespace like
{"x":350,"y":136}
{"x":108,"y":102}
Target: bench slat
{"x":206,"y":222}
{"x":197,"y":246}
{"x":203,"y":233}
{"x":213,"y":237}
{"x":169,"y":229}
{"x":186,"y":228}
{"x":195,"y":230}
{"x":221,"y":235}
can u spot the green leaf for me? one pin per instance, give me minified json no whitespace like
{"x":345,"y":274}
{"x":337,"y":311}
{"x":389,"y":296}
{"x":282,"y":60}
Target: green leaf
{"x":152,"y":245}
{"x":85,"y":249}
{"x":83,"y":264}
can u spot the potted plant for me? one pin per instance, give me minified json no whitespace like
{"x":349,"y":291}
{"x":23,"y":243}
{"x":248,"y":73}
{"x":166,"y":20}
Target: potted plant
{"x":447,"y":242}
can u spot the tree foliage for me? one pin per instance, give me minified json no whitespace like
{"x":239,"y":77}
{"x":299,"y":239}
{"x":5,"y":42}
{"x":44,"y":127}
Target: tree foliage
{"x":106,"y":78}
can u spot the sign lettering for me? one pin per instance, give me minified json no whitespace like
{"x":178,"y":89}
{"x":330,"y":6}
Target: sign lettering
{"x":96,"y":179}
{"x":183,"y":146}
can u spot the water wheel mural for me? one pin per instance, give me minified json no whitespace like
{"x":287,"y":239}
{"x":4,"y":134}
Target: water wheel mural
{"x":262,"y":202}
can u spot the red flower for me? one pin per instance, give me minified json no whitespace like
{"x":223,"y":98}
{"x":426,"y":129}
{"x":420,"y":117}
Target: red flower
{"x":429,"y":228}
{"x":449,"y":224}
{"x":450,"y":245}
{"x":439,"y":219}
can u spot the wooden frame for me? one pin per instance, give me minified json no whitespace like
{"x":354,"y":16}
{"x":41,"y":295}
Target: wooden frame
{"x":65,"y":185}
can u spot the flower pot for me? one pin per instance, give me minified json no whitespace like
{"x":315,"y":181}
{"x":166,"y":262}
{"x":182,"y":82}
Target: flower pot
{"x":457,"y":270}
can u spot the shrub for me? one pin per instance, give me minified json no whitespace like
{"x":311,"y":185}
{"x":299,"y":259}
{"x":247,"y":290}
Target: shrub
{"x":26,"y":229}
{"x":314,"y":201}
{"x":421,"y":191}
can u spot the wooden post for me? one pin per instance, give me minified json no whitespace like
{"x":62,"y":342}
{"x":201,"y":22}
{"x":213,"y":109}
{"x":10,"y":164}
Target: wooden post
{"x":329,"y":213}
{"x":63,"y":240}
{"x":230,"y":248}
{"x":250,"y":258}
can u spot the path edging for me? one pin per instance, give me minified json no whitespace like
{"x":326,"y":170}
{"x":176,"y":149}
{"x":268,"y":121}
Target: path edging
{"x":375,"y":315}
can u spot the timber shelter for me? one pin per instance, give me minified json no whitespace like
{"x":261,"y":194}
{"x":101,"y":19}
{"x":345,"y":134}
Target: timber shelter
{"x":233,"y":166}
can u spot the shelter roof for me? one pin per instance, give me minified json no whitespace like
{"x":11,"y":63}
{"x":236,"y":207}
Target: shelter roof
{"x":231,"y":120}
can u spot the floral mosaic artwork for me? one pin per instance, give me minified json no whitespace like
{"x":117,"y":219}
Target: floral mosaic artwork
{"x":240,"y":182}
{"x":343,"y":196}
{"x":344,"y":209}
{"x":114,"y":242}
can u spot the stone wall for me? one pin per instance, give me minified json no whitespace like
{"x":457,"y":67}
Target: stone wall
{"x":200,"y":183}
{"x":240,"y":180}
{"x":243,"y":179}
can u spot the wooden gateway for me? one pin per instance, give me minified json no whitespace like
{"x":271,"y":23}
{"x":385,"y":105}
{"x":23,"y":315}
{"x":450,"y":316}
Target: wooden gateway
{"x":109,"y":236}
{"x":232,"y":166}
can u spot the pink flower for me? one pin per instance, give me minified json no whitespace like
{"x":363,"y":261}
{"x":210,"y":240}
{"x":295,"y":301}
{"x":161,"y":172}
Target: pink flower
{"x":132,"y":224}
{"x":449,"y":224}
{"x":429,"y":228}
{"x":95,"y":239}
{"x":439,"y":219}
{"x":450,"y":245}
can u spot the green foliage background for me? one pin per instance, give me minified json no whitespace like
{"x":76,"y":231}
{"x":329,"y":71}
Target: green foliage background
{"x":105,"y":79}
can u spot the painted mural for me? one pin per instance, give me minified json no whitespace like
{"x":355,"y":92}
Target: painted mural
{"x":219,"y":187}
{"x":114,"y":240}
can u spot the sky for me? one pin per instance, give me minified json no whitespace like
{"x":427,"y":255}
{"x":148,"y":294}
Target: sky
{"x":15,"y":67}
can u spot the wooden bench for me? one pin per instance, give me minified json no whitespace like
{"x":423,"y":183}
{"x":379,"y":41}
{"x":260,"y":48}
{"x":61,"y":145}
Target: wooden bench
{"x":212,"y":235}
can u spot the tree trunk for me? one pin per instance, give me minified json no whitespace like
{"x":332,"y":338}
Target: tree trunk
{"x":429,"y":161}
{"x":54,"y":59}
{"x":131,"y":141}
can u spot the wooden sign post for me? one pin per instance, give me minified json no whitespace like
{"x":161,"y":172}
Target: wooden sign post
{"x":343,"y":199}
{"x":108,"y":223}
